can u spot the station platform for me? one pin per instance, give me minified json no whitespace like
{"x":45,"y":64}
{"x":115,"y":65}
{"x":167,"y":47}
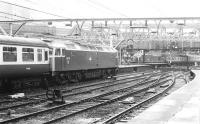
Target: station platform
{"x":134,"y":68}
{"x":157,"y":64}
{"x":135,"y":65}
{"x":180,"y":107}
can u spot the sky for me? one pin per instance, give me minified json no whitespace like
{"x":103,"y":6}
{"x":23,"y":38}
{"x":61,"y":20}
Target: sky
{"x":111,"y":8}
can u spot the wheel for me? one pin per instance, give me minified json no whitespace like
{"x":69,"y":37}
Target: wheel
{"x":104,"y":74}
{"x":69,"y":78}
{"x":1,"y":84}
{"x":50,"y":94}
{"x":44,"y":83}
{"x":79,"y":76}
{"x":60,"y":80}
{"x":7,"y":85}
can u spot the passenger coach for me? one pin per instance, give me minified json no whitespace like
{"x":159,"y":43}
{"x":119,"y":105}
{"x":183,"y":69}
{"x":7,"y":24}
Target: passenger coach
{"x":22,"y":57}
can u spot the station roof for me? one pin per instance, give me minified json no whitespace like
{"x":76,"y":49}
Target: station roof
{"x":104,"y":9}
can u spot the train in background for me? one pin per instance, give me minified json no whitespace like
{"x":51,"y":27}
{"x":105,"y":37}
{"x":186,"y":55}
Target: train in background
{"x":28,"y":62}
{"x":172,"y":57}
{"x":164,"y":44}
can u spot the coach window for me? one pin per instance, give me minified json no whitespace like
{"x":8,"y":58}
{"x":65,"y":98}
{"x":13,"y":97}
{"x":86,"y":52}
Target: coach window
{"x":39,"y":53}
{"x":28,"y":54}
{"x":63,"y":52}
{"x":9,"y":54}
{"x":50,"y":52}
{"x":46,"y":56}
{"x":57,"y":52}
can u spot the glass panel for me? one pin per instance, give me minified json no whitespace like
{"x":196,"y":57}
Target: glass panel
{"x":39,"y":54}
{"x":50,"y":52}
{"x":84,"y":47}
{"x":107,"y":48}
{"x":92,"y":47}
{"x":70,"y":46}
{"x":9,"y":54}
{"x":28,"y":54}
{"x":57,"y":52}
{"x":46,"y":55}
{"x":100,"y":48}
{"x":63,"y":51}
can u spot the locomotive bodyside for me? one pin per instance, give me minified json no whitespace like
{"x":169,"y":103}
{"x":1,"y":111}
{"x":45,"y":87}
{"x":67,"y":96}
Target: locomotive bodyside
{"x":76,"y":61}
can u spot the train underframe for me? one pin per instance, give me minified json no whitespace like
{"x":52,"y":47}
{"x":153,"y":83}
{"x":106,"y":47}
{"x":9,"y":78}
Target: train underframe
{"x":82,"y":75}
{"x":59,"y":78}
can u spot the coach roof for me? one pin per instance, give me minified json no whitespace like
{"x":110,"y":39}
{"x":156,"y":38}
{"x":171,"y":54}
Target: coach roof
{"x":9,"y":40}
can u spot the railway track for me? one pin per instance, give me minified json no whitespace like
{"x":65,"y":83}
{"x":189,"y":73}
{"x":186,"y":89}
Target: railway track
{"x":34,"y":99}
{"x":91,"y":105}
{"x":87,"y":101}
{"x":120,"y":116}
{"x":66,"y":89}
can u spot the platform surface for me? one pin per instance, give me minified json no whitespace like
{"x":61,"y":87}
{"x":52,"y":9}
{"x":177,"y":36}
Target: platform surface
{"x":180,"y":107}
{"x":135,"y":65}
{"x":156,"y":63}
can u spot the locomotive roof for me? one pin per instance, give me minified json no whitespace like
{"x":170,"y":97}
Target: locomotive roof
{"x":68,"y":44}
{"x":9,"y":40}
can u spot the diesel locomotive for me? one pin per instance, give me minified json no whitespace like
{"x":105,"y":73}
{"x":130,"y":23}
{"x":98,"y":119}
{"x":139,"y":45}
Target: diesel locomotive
{"x":29,"y":62}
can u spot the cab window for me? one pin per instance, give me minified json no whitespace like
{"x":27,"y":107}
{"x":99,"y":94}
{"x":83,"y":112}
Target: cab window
{"x":28,"y":54}
{"x":70,"y":46}
{"x":92,"y":47}
{"x":9,"y":54}
{"x":99,"y":48}
{"x":84,"y":47}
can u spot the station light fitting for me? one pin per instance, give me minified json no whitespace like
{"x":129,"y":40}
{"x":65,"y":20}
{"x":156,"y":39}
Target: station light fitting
{"x":106,"y":23}
{"x":50,"y":23}
{"x":180,"y":24}
{"x":146,"y":23}
{"x":69,"y":24}
{"x":99,"y":27}
{"x":131,"y":23}
{"x":114,"y":34}
{"x":171,"y":21}
{"x":138,"y":27}
{"x":192,"y":32}
{"x":92,"y":24}
{"x":170,"y":32}
{"x":76,"y":34}
{"x":153,"y":32}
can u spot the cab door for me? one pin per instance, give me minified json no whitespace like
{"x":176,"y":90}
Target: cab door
{"x":66,"y":60}
{"x":58,"y":59}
